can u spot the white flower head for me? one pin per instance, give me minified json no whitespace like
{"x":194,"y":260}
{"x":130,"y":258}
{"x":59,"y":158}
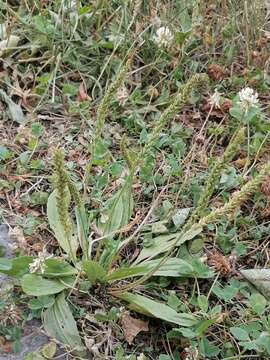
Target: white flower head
{"x":215,"y":99}
{"x":191,"y":353}
{"x":248,"y":98}
{"x":39,"y":263}
{"x":163,"y":36}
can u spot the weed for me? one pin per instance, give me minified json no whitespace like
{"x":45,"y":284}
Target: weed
{"x":162,"y":217}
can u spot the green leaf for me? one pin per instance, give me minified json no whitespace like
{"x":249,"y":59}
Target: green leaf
{"x":180,"y":217}
{"x":49,"y":350}
{"x":41,"y":302}
{"x":185,"y":20}
{"x":36,"y":285}
{"x":173,"y":267}
{"x":159,"y":245}
{"x":263,"y":341}
{"x":156,"y":309}
{"x":163,"y":243}
{"x":60,"y":324}
{"x":226,"y":293}
{"x":237,"y":112}
{"x":58,"y":268}
{"x":82,"y":229}
{"x":120,"y":208}
{"x":200,"y":270}
{"x":33,"y":356}
{"x":239,"y":333}
{"x":112,"y":315}
{"x":203,"y":325}
{"x":159,"y":228}
{"x":180,"y":332}
{"x":59,"y":231}
{"x":37,"y":129}
{"x":127,"y":272}
{"x":94,"y":271}
{"x":19,"y":266}
{"x":164,"y":357}
{"x":181,"y":36}
{"x":5,"y":264}
{"x":202,"y":302}
{"x":207,"y":349}
{"x":249,"y":345}
{"x":258,"y":303}
{"x":173,"y":302}
{"x":260,"y":279}
{"x":189,"y":235}
{"x":5,"y":154}
{"x":15,"y":111}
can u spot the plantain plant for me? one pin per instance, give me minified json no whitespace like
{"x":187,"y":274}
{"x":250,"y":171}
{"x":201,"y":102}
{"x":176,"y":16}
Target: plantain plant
{"x":55,"y":277}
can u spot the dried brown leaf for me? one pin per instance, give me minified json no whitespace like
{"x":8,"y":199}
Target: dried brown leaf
{"x":265,"y":187}
{"x":226,"y":105}
{"x":216,"y":72}
{"x":240,"y":163}
{"x":82,"y":94}
{"x":5,"y":346}
{"x":132,"y":327}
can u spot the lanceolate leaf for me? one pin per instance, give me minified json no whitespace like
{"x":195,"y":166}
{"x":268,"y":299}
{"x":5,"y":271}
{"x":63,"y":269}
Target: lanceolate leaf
{"x":120,"y":208}
{"x":65,"y":241}
{"x":36,"y":285}
{"x":164,"y":243}
{"x":160,"y":244}
{"x":159,"y":310}
{"x":174,"y":267}
{"x":260,"y":279}
{"x":82,"y":229}
{"x":189,"y":235}
{"x":57,"y":268}
{"x":129,"y":272}
{"x":60,"y":324}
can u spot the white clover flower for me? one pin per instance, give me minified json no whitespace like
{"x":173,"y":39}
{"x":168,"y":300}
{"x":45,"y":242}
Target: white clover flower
{"x":248,"y":98}
{"x":163,"y":36}
{"x":39,"y":263}
{"x":215,"y":99}
{"x":191,"y":353}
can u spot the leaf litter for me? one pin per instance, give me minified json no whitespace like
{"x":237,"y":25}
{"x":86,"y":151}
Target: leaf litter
{"x":132,"y":327}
